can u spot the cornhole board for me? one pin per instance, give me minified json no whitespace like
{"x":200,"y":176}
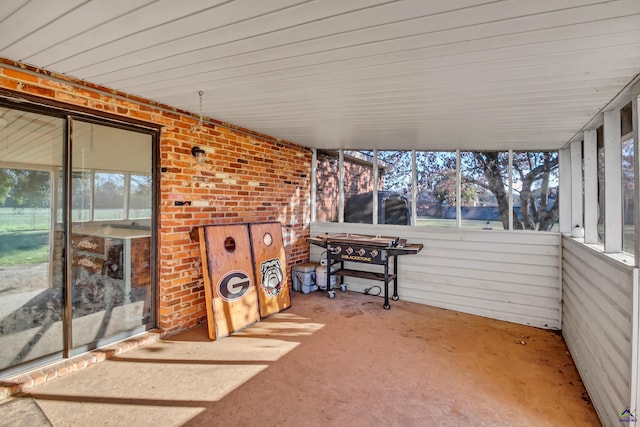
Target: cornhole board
{"x":229,"y":281}
{"x":270,"y":263}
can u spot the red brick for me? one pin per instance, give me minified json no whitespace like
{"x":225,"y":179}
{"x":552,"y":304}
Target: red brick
{"x":20,"y":75}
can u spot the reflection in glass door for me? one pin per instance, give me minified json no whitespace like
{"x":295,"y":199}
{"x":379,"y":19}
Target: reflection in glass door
{"x":51,"y":308}
{"x":110,"y":234}
{"x":31,"y":279}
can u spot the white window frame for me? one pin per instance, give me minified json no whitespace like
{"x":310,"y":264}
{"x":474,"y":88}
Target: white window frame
{"x":414,"y":187}
{"x":609,"y":119}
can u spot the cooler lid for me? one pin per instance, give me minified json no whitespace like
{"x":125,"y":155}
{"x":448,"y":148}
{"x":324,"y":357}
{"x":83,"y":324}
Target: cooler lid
{"x":308,"y":267}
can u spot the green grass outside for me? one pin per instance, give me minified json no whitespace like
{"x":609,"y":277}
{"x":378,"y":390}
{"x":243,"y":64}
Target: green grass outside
{"x":24,"y":234}
{"x":24,"y":247}
{"x":12,"y":219}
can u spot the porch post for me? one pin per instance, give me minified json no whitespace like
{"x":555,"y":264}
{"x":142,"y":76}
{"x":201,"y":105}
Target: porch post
{"x":576,"y":184}
{"x":341,"y":188}
{"x":590,"y":151}
{"x":564,"y":160}
{"x":314,"y":182}
{"x":374,"y":194}
{"x":634,"y":401}
{"x":612,"y":182}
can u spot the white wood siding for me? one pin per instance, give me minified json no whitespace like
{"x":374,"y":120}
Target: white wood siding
{"x":512,"y":276}
{"x":597,"y":325}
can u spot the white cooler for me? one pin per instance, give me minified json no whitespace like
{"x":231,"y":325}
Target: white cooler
{"x":303,"y":277}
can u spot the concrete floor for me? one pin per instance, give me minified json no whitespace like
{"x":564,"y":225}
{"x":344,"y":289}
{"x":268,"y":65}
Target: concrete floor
{"x":330,"y":362}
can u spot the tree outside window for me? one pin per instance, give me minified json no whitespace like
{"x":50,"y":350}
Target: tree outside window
{"x":436,"y":188}
{"x":487,"y":173}
{"x":394,"y":197}
{"x":109,"y":196}
{"x":140,"y":192}
{"x":628,"y":187}
{"x":535,"y":190}
{"x":484,"y":189}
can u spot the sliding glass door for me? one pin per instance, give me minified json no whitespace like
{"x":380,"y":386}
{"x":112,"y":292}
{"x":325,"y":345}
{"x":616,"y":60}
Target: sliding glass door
{"x":110,"y":243}
{"x":94,"y":211}
{"x":31,"y":269}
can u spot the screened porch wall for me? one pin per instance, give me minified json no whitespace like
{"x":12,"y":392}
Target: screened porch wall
{"x":597,"y":325}
{"x":512,"y":276}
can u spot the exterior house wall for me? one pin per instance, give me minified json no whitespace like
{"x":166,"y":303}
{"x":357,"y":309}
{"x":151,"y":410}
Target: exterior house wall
{"x":327,"y":177}
{"x":246,"y":177}
{"x":358,"y":178}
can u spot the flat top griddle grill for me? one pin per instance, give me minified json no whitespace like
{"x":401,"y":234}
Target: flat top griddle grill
{"x":366,"y":249}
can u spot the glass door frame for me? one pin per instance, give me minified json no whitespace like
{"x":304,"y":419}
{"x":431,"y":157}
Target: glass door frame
{"x":68,"y":231}
{"x":69,"y":113}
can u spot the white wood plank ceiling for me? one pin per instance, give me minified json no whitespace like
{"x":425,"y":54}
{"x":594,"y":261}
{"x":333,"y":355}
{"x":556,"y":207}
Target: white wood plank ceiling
{"x":425,"y":74}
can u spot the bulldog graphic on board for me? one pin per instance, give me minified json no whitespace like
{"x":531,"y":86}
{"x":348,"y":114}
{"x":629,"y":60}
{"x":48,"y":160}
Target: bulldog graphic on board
{"x":270,"y":267}
{"x":272,"y":277}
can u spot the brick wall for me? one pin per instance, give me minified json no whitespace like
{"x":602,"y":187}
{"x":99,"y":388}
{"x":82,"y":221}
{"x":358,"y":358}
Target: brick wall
{"x":246,"y":177}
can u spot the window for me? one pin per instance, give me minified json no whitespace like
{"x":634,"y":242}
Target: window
{"x":327,"y":185}
{"x":140,"y":191}
{"x":98,"y":196}
{"x":486,"y":183}
{"x":358,"y":186}
{"x":628,"y":180}
{"x":601,"y":189}
{"x":109,"y":196}
{"x":626,"y":120}
{"x":628,"y":187}
{"x":81,"y":197}
{"x":535,"y":190}
{"x":436,"y":188}
{"x":24,"y":199}
{"x":484,"y":189}
{"x":607,"y":190}
{"x":394,"y":196}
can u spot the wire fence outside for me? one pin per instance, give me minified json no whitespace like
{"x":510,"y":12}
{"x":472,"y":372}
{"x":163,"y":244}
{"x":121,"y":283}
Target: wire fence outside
{"x":31,"y":219}
{"x":24,"y":219}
